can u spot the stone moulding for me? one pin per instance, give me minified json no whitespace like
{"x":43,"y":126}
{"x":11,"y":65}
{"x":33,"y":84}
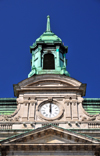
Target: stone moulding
{"x":36,"y":135}
{"x":53,"y":147}
{"x":30,"y":84}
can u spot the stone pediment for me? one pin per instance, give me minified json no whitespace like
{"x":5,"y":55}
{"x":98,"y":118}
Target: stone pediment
{"x":60,"y":80}
{"x":51,"y":139}
{"x":49,"y":135}
{"x":49,"y":81}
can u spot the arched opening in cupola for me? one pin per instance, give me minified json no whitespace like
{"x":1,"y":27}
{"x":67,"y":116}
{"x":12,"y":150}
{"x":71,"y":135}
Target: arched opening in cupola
{"x":48,"y":61}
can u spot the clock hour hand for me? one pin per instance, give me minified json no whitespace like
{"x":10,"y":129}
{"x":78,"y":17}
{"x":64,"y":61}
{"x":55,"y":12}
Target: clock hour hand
{"x":50,"y":108}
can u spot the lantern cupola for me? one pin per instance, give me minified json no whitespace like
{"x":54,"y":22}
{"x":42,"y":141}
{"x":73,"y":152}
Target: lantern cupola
{"x":48,"y":54}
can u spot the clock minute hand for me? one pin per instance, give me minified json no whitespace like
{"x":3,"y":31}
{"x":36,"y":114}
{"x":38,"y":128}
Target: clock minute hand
{"x":49,"y":108}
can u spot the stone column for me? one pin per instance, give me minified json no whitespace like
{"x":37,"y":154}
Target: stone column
{"x":68,"y":110}
{"x":80,"y":107}
{"x":32,"y":110}
{"x":74,"y":110}
{"x":25,"y":111}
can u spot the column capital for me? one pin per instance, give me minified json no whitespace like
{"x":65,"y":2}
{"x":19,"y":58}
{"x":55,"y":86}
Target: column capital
{"x":39,"y":47}
{"x":57,"y":47}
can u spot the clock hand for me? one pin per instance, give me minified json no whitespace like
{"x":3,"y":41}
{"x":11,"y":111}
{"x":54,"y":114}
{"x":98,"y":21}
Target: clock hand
{"x":50,"y":107}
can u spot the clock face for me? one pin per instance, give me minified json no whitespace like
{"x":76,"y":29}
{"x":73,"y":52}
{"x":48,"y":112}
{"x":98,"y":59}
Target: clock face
{"x":49,"y":110}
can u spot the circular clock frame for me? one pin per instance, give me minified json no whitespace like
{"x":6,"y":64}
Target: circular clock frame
{"x":61,"y":110}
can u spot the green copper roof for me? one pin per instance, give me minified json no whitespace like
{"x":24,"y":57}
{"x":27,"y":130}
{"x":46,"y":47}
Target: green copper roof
{"x":48,"y":36}
{"x":92,"y":105}
{"x":7,"y":106}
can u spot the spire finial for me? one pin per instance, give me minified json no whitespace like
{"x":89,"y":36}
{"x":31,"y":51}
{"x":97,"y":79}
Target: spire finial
{"x":48,"y":24}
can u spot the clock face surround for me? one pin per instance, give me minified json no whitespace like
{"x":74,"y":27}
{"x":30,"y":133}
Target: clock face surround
{"x":50,"y":110}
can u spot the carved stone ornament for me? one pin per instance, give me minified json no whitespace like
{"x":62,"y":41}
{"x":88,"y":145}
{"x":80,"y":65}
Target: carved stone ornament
{"x":84,"y":118}
{"x":88,"y":119}
{"x":93,"y":118}
{"x":6,"y":118}
{"x":98,"y":117}
{"x":12,"y":117}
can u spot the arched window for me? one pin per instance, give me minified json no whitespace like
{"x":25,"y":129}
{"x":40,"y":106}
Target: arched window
{"x":48,"y":61}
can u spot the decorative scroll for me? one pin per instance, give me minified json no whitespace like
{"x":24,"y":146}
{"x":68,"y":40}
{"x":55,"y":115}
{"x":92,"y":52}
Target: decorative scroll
{"x":11,"y":117}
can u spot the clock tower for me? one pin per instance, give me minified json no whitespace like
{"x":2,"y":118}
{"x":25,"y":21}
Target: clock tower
{"x":50,"y":118}
{"x":49,"y":95}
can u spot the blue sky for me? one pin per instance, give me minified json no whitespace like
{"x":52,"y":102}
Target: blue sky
{"x":76,"y":22}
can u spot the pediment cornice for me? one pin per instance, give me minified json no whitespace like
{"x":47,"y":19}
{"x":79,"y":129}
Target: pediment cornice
{"x":67,"y":136}
{"x":49,"y":82}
